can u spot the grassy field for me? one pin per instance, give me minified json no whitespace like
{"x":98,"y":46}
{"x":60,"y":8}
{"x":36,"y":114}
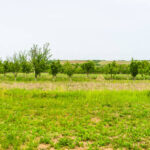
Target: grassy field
{"x":79,"y":114}
{"x":64,"y":78}
{"x":78,"y":82}
{"x":73,"y":86}
{"x":47,"y":77}
{"x":107,"y":119}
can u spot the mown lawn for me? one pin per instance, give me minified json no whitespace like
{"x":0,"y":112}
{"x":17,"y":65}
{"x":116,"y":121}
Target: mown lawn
{"x":34,"y":119}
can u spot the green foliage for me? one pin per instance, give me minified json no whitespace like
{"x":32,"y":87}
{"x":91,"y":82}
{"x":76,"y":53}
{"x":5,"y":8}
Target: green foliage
{"x":68,"y":69}
{"x":55,"y":67}
{"x":112,"y":68}
{"x":25,"y":65}
{"x":123,"y":69}
{"x":1,"y":67}
{"x":134,"y":68}
{"x":88,"y":67}
{"x":40,"y":58}
{"x":6,"y":66}
{"x":143,"y":67}
{"x":78,"y":68}
{"x":37,"y":60}
{"x":15,"y":65}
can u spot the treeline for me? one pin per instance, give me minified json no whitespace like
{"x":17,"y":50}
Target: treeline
{"x":38,"y":60}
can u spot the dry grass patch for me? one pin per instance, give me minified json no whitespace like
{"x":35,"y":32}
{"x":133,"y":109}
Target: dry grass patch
{"x":95,"y":120}
{"x":43,"y":147}
{"x":100,"y":78}
{"x":85,"y":146}
{"x":56,"y":139}
{"x":107,"y":148}
{"x":71,"y":86}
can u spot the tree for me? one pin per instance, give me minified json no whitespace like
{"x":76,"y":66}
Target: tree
{"x":55,"y":68}
{"x":112,"y":68}
{"x":68,"y":69}
{"x":40,"y":58}
{"x":6,"y":68}
{"x":143,"y":67}
{"x":134,"y":68}
{"x":123,"y":69}
{"x":15,"y":65}
{"x":1,"y":67}
{"x":24,"y":63}
{"x":88,"y":67}
{"x":78,"y":68}
{"x":148,"y":69}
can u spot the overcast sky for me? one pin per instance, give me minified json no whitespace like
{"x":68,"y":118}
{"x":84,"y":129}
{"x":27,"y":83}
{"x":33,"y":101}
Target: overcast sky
{"x":77,"y":29}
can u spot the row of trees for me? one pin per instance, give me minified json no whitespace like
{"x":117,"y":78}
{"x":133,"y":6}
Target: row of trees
{"x":134,"y":68}
{"x":38,"y":60}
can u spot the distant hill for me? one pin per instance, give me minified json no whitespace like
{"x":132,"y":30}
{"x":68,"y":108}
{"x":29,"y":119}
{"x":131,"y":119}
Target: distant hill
{"x":102,"y":62}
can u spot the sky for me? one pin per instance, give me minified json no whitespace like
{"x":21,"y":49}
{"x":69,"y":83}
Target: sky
{"x":77,"y":29}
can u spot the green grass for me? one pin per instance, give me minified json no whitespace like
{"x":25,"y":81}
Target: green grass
{"x":47,"y":77}
{"x":125,"y":77}
{"x":30,"y":119}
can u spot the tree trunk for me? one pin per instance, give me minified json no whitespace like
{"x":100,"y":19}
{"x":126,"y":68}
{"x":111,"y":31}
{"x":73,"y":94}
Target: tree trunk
{"x":15,"y":74}
{"x":54,"y":78}
{"x":87,"y":75}
{"x":70,"y":78}
{"x":25,"y":75}
{"x":35,"y":76}
{"x":128,"y":76}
